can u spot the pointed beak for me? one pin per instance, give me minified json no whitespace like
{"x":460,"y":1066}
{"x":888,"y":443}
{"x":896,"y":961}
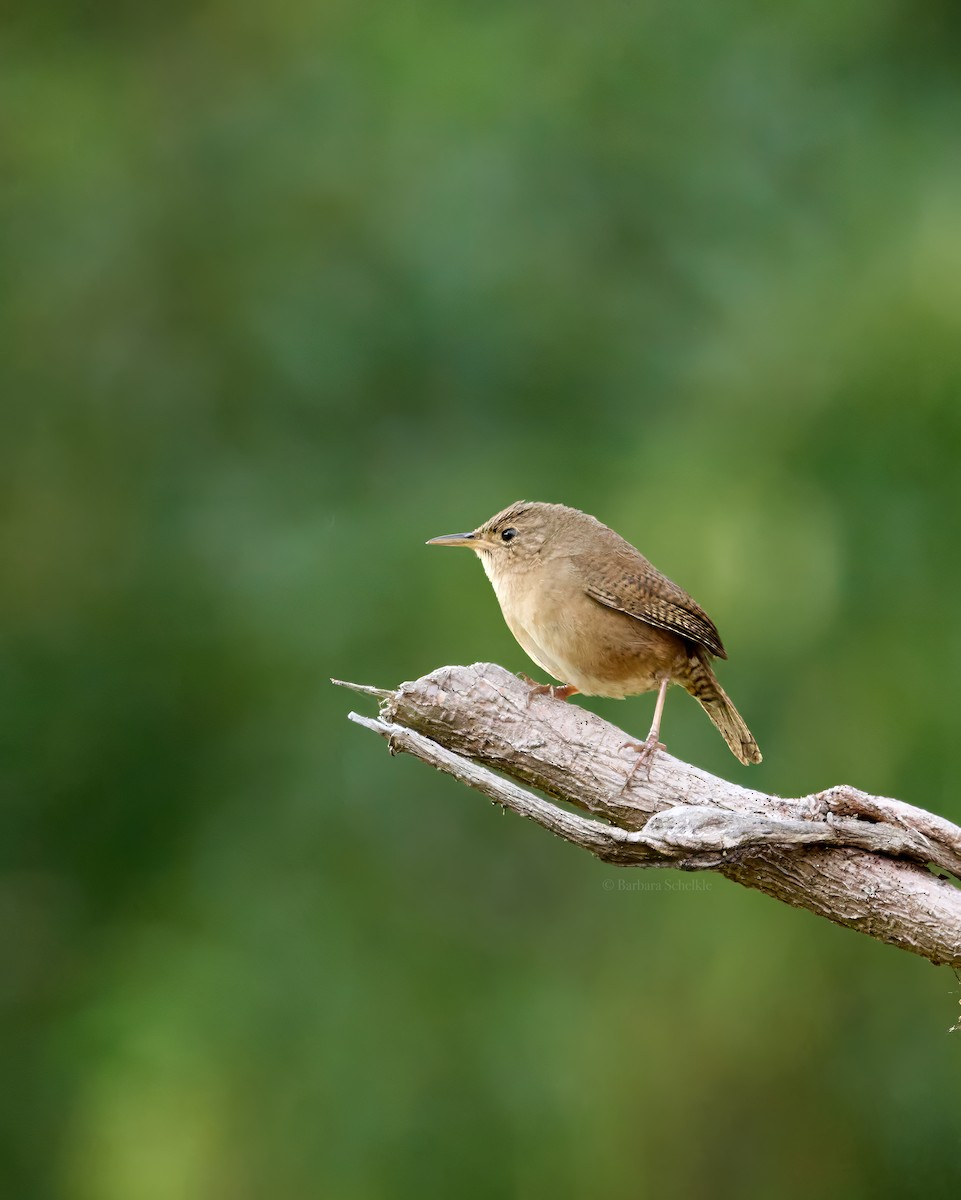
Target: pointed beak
{"x":453,"y":539}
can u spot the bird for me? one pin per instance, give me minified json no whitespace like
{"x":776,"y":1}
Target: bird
{"x":599,"y":618}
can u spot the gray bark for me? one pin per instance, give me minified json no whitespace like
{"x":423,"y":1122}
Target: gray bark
{"x":861,"y":861}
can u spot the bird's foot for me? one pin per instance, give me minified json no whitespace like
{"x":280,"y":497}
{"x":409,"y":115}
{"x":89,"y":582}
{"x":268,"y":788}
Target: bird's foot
{"x":557,"y":691}
{"x":646,"y":753}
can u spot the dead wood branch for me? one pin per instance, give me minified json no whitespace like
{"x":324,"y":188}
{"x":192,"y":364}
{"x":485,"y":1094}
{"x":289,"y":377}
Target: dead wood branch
{"x":858,"y":860}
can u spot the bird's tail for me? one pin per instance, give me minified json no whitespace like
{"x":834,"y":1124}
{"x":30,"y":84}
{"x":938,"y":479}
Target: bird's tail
{"x":704,"y":687}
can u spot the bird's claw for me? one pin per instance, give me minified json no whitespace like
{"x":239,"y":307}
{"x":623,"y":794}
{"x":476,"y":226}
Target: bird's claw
{"x":557,"y":691}
{"x":646,"y":753}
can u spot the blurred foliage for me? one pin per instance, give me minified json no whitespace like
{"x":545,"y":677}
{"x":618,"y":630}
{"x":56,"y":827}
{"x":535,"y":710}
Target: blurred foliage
{"x":287,"y":290}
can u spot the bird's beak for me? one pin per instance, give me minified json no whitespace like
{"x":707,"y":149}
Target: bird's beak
{"x":454,"y":539}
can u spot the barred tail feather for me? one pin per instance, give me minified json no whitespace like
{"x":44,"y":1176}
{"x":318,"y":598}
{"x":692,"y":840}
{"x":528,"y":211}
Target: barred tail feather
{"x":706,"y":690}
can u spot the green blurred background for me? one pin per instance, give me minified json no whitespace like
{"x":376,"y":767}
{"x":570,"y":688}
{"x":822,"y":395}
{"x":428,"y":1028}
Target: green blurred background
{"x":287,"y":290}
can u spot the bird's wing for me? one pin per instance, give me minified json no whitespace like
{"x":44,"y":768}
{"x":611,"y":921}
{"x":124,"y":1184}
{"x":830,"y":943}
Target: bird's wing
{"x":643,"y":592}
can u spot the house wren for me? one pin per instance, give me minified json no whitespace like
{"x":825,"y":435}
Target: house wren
{"x":595,"y":614}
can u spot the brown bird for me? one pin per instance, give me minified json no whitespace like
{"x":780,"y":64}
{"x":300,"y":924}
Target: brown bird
{"x":593,"y":613}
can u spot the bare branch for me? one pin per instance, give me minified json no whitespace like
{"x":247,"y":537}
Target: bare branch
{"x":857,"y":860}
{"x":364,"y":688}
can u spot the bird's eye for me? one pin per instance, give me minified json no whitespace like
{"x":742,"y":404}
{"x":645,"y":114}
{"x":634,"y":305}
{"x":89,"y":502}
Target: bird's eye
{"x":508,"y":534}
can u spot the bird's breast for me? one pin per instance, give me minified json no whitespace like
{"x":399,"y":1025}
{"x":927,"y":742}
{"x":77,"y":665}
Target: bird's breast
{"x":599,"y":651}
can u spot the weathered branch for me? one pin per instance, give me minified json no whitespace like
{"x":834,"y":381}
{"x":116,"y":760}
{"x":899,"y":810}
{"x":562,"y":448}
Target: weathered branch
{"x":858,"y":860}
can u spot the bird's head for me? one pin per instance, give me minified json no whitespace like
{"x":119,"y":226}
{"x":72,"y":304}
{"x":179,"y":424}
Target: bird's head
{"x":515,"y":537}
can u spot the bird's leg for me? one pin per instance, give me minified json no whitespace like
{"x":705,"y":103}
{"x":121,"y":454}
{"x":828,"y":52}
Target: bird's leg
{"x":558,"y":691}
{"x":647,"y":749}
